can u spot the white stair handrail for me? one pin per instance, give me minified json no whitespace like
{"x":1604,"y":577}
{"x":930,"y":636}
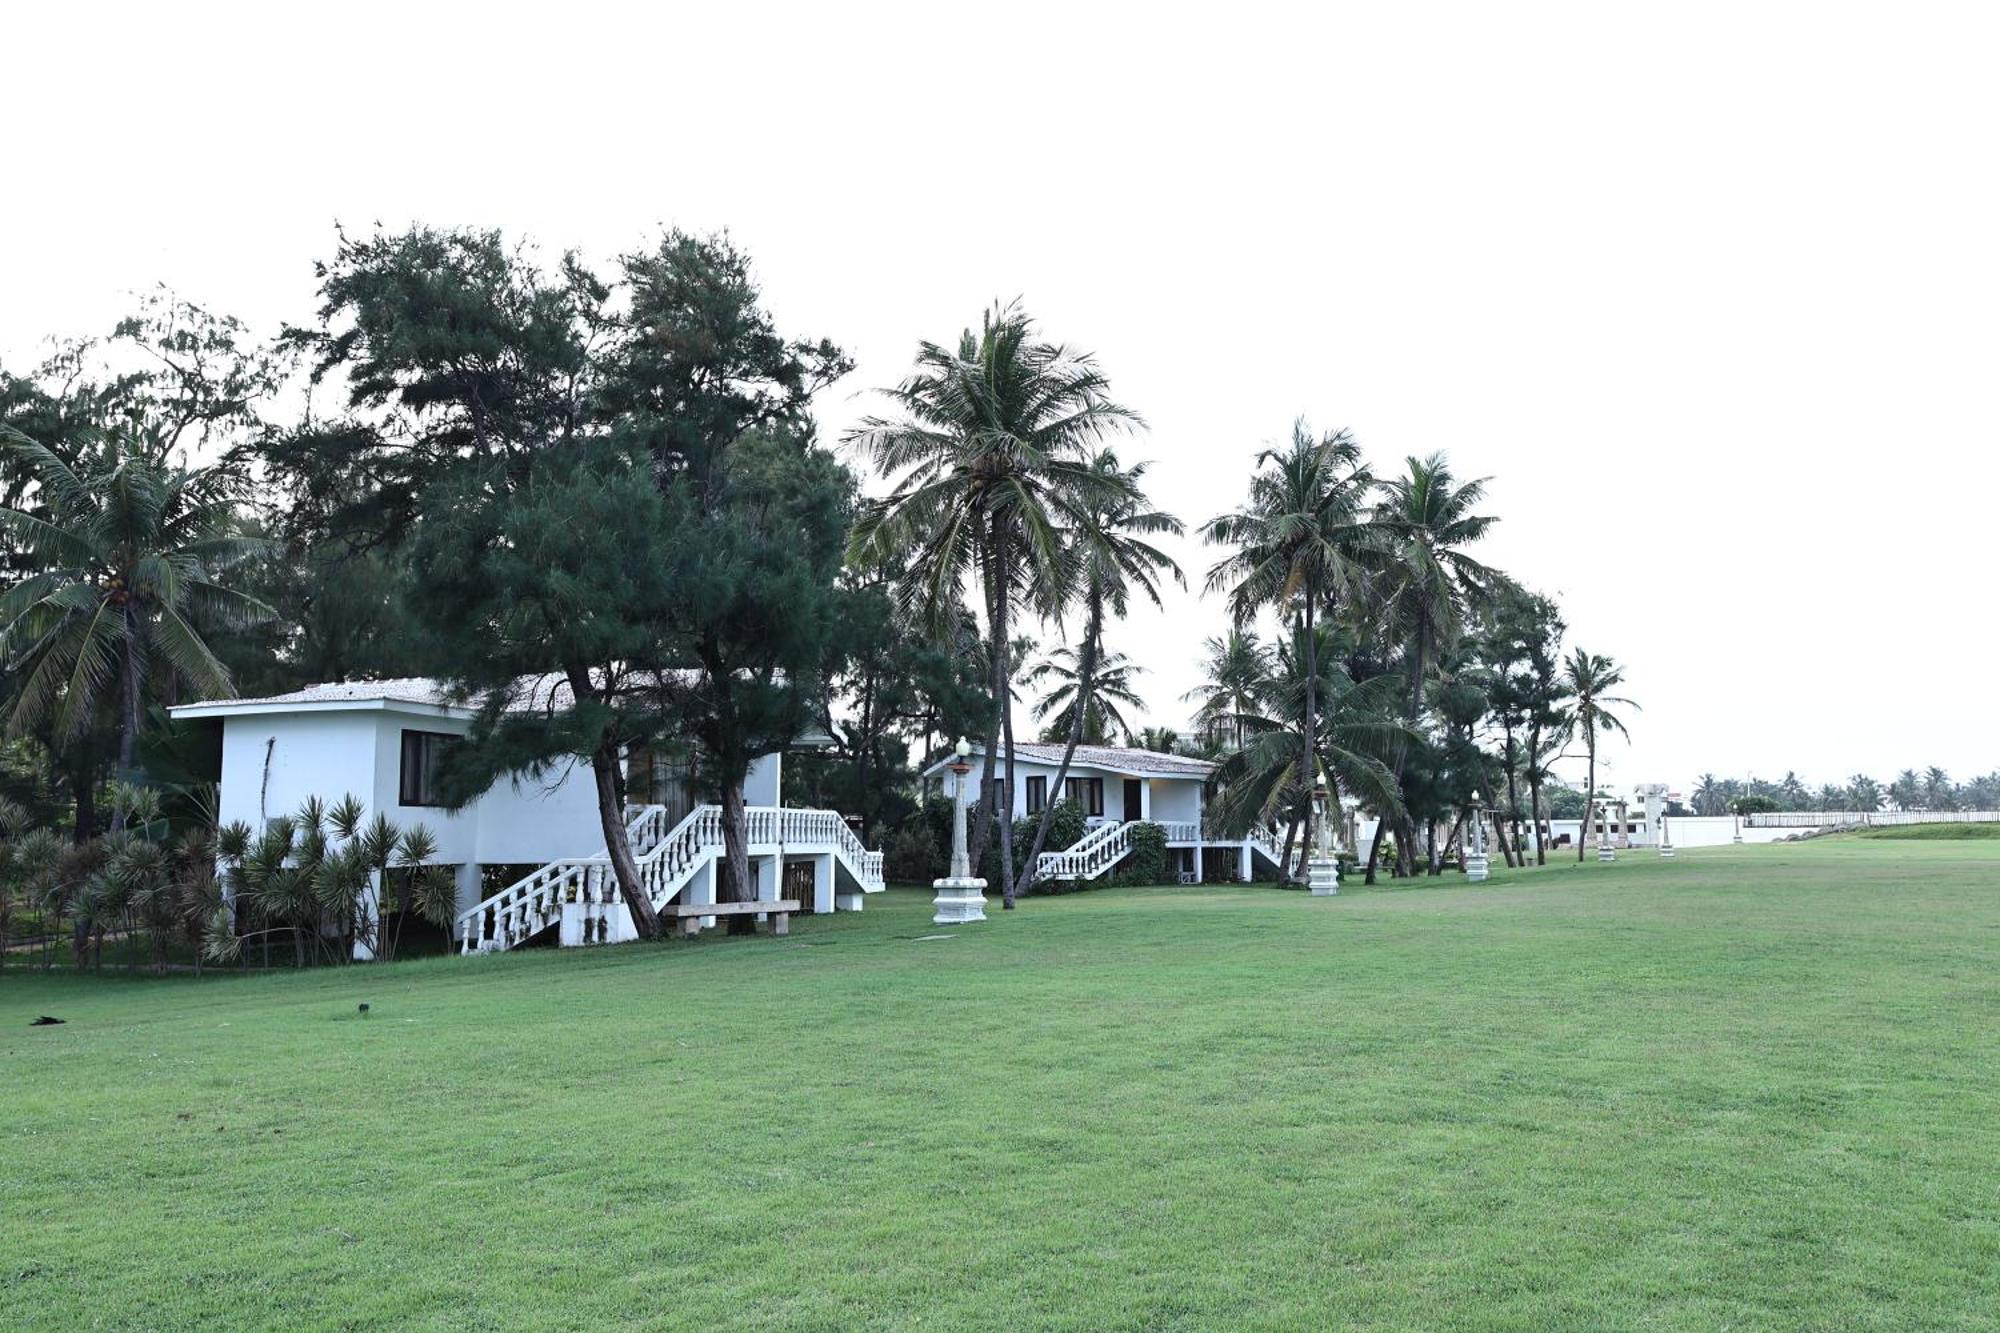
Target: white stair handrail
{"x":1100,"y":849}
{"x":666,"y":859}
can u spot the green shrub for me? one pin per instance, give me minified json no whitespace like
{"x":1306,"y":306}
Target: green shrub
{"x":1146,"y":863}
{"x":913,"y":856}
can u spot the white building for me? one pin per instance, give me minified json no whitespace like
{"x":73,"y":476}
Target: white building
{"x":380,"y":741}
{"x":1117,"y":789}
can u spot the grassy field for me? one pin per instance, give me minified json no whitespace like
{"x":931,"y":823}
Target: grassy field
{"x":1931,"y":832}
{"x":1753,"y":1087}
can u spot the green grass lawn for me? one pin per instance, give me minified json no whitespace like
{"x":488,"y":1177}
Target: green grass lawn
{"x":1753,"y":1087}
{"x":1930,"y":832}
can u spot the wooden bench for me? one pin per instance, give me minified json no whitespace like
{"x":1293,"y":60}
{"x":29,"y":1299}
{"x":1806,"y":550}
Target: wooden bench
{"x":689,"y":915}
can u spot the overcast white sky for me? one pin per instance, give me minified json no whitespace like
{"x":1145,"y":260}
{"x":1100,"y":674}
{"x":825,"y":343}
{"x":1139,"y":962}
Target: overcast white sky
{"x":1708,"y":290}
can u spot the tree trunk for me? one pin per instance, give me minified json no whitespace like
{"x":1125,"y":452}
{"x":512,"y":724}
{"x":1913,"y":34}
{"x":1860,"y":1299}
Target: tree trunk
{"x":1535,"y":795}
{"x":982,"y":823}
{"x":1311,"y":733}
{"x":1004,"y":671}
{"x":1375,"y":847}
{"x":736,"y":856}
{"x":134,"y":679}
{"x":611,"y":820}
{"x":1406,"y":832}
{"x":1589,"y":795}
{"x":83,"y":789}
{"x":1510,"y":763}
{"x":1509,"y":855}
{"x":1086,"y":671}
{"x":861,"y":757}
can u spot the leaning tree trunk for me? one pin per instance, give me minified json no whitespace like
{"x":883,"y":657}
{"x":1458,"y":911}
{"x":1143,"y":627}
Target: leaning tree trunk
{"x":611,"y":819}
{"x":1086,"y":671}
{"x":1375,"y":847}
{"x":1589,"y":794}
{"x":1004,"y":675}
{"x":1312,"y":708}
{"x":982,"y":823}
{"x":736,"y":852}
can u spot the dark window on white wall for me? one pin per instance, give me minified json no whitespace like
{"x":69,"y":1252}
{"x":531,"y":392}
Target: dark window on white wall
{"x":423,"y":751}
{"x":1038,"y":794}
{"x":1086,"y":792}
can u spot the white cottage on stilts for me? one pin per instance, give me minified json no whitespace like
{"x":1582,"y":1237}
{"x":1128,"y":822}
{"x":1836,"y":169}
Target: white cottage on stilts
{"x":529,"y":853}
{"x":1119,"y":788}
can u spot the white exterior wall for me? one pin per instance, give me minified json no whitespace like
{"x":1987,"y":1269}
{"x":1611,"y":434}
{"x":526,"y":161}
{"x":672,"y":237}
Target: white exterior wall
{"x":763,"y":782}
{"x":333,"y":753}
{"x":1162,"y":798}
{"x":326,"y":754}
{"x":1176,"y":800}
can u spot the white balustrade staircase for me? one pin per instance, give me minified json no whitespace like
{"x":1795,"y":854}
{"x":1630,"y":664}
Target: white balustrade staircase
{"x":1105,"y":845}
{"x":668,"y":860}
{"x":1101,"y":848}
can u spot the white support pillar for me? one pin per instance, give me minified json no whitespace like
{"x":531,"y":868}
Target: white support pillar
{"x":701,"y":889}
{"x":1197,"y":857}
{"x":822,"y":899}
{"x":466,"y":885}
{"x":1145,"y":798}
{"x":1243,"y":862}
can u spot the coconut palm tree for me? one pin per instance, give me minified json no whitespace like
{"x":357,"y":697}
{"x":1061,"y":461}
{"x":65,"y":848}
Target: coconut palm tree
{"x":1110,"y":692}
{"x":1590,"y":679}
{"x":1111,"y":560}
{"x":1357,"y":731}
{"x":128,"y":553}
{"x":1428,"y":586}
{"x":1238,"y":666}
{"x":1300,"y":543}
{"x":991,"y":456}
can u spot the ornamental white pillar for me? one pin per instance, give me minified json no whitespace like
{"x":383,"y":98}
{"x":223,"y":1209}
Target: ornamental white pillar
{"x":1477,"y":867}
{"x":1322,"y":870}
{"x":960,"y":896}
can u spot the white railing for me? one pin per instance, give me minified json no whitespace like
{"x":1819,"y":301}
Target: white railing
{"x":1180,"y":830}
{"x":828,"y":827}
{"x":532,"y":903}
{"x":1100,"y":849}
{"x":666,"y":860}
{"x":1868,"y":818}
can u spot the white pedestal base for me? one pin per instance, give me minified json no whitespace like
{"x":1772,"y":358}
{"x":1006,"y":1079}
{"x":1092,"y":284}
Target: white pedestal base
{"x":1605,"y":853}
{"x":595,"y":923}
{"x":1323,"y":878}
{"x":1476,"y":868}
{"x":1666,"y":853}
{"x":959,"y":901}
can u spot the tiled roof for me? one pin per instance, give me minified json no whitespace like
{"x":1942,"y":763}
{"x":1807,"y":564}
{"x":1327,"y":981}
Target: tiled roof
{"x":536,"y":693}
{"x":1115,"y":758}
{"x":406,"y":689}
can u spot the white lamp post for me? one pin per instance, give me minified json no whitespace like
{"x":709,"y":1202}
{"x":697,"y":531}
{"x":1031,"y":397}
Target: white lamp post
{"x":1322,"y":870}
{"x":960,"y":895}
{"x":1477,"y":867}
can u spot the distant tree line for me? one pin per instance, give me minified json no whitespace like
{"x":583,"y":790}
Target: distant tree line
{"x":1932,"y":789}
